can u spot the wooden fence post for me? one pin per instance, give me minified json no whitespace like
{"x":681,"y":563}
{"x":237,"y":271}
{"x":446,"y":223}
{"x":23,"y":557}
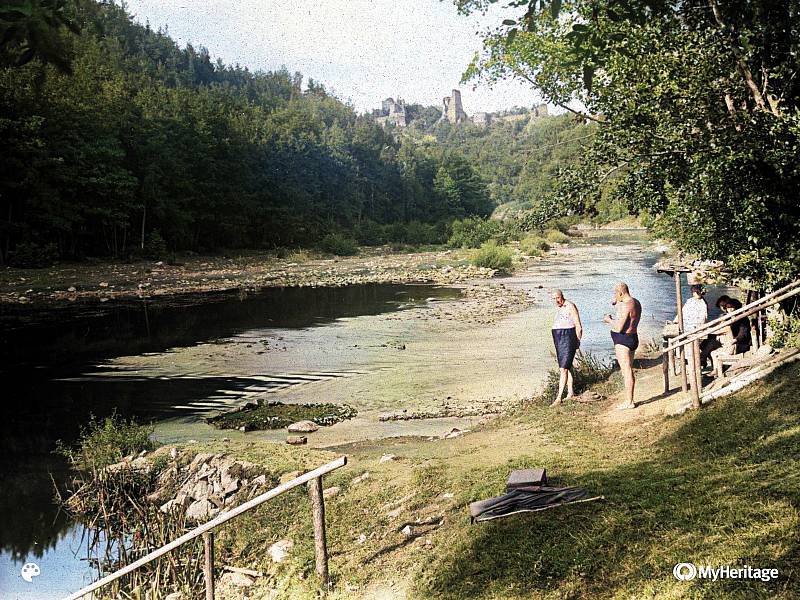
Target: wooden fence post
{"x":665,"y":366}
{"x":681,"y":351}
{"x":320,"y":544}
{"x":697,"y":375}
{"x":208,"y":568}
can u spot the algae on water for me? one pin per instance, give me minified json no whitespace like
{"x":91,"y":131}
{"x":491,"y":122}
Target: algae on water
{"x":277,"y":415}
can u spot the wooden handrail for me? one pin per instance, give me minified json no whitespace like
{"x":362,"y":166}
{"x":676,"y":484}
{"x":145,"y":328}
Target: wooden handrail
{"x":212,"y":524}
{"x":717,"y":324}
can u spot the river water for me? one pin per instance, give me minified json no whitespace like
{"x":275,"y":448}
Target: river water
{"x":179,"y":361}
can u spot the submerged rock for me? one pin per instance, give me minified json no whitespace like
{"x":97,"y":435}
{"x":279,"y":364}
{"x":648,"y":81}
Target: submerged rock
{"x":303,"y":427}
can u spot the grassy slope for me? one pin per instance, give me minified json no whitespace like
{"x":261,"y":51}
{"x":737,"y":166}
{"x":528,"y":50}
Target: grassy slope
{"x":719,"y":486}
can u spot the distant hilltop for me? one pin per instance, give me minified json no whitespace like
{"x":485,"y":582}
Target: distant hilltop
{"x":396,"y":112}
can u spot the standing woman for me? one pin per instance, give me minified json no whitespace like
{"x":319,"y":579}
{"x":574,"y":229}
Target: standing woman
{"x":567,"y":332}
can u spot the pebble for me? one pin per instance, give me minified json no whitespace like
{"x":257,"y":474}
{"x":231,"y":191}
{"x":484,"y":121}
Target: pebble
{"x":279,"y":551}
{"x":363,"y":477}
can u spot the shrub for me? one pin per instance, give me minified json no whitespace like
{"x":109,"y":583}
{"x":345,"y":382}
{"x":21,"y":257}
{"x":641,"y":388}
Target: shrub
{"x":102,"y":443}
{"x":370,"y":233}
{"x":338,"y":244}
{"x":785,"y":331}
{"x":587,"y":370}
{"x":554,"y":236}
{"x":533,"y":245}
{"x":155,"y":247}
{"x":422,"y":233}
{"x":492,"y":256}
{"x":28,"y":255}
{"x":560,"y":225}
{"x":472,"y":232}
{"x":509,"y":231}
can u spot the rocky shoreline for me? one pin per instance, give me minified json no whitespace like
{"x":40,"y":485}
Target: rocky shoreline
{"x":106,"y":282}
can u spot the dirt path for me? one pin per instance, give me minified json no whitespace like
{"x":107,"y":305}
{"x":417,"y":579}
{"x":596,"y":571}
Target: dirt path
{"x":651,"y":401}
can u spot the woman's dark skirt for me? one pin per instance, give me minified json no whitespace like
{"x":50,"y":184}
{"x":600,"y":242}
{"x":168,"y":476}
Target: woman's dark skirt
{"x":566,"y":342}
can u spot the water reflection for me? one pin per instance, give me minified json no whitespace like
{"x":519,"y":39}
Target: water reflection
{"x":46,"y":355}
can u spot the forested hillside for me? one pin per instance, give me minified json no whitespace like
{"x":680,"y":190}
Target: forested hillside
{"x":521,"y":156}
{"x":125,"y":141}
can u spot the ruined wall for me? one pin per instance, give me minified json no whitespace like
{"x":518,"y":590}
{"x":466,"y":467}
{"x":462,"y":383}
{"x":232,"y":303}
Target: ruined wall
{"x":452,"y":110}
{"x":391,"y":112}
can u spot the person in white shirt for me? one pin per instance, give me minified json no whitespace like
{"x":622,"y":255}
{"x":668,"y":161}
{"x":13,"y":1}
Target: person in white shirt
{"x":695,"y":314}
{"x":695,"y":309}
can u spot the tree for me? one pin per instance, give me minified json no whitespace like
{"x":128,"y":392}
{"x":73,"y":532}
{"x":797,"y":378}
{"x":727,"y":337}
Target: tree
{"x":696,"y":105}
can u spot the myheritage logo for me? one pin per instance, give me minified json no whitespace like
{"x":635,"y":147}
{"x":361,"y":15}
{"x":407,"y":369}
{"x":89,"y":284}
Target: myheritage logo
{"x":684,"y":571}
{"x":688,"y":571}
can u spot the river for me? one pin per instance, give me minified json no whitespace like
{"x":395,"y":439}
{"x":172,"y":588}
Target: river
{"x":381,"y":348}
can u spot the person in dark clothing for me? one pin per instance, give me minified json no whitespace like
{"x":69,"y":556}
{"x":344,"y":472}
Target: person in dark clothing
{"x":712,"y":342}
{"x":735,"y":338}
{"x":740,"y":330}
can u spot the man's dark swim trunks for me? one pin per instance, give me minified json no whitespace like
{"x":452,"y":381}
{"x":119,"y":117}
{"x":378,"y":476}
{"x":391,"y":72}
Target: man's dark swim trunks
{"x":629,"y":340}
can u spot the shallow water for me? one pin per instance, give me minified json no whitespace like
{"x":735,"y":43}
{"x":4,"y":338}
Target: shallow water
{"x":184,"y":360}
{"x":59,"y":367}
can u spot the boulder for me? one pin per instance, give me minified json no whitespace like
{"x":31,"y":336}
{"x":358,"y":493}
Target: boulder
{"x":200,"y":510}
{"x":198,"y":460}
{"x":331,"y":492}
{"x":303,"y":427}
{"x":454,"y":433}
{"x":363,"y":477}
{"x":178,"y":503}
{"x":279,"y":551}
{"x":386,"y":458}
{"x":239,"y":580}
{"x":296,"y":440}
{"x":201,"y":490}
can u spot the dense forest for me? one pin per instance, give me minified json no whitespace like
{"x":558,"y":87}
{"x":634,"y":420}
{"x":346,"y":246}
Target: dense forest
{"x":521,"y":156}
{"x":116,"y":142}
{"x":697,"y":113}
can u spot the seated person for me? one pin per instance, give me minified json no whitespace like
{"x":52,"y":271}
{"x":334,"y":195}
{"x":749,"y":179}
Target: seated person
{"x":733,"y":339}
{"x":712,"y":342}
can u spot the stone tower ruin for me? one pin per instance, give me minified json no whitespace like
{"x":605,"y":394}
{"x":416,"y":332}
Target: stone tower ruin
{"x":391,"y":112}
{"x":452,"y":110}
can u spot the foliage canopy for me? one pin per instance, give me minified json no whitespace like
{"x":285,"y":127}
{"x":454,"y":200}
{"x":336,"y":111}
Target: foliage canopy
{"x":697,"y":110}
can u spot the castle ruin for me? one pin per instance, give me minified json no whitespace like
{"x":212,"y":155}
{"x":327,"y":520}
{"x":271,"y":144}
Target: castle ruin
{"x":452,"y":110}
{"x":391,"y":112}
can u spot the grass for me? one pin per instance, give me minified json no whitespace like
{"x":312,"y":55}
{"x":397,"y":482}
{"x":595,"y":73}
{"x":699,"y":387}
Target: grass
{"x":587,"y":371}
{"x":717,"y":486}
{"x":107,"y":441}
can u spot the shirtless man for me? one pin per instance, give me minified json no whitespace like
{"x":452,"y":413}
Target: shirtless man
{"x":624,"y":334}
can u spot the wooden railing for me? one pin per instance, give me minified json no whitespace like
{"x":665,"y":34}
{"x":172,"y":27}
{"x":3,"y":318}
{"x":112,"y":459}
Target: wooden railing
{"x":696,"y":335}
{"x":314,"y":478}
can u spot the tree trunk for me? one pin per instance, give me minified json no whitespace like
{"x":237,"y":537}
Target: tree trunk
{"x":144,"y":218}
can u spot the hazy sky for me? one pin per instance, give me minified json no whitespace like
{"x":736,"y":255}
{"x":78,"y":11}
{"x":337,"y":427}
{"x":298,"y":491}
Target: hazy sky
{"x":362,"y":50}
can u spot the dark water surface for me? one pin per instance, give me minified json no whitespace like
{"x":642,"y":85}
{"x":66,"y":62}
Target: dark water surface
{"x":47,"y":395}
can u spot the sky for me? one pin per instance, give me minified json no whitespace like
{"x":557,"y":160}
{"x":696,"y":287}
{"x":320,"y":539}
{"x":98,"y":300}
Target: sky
{"x":362,"y":50}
